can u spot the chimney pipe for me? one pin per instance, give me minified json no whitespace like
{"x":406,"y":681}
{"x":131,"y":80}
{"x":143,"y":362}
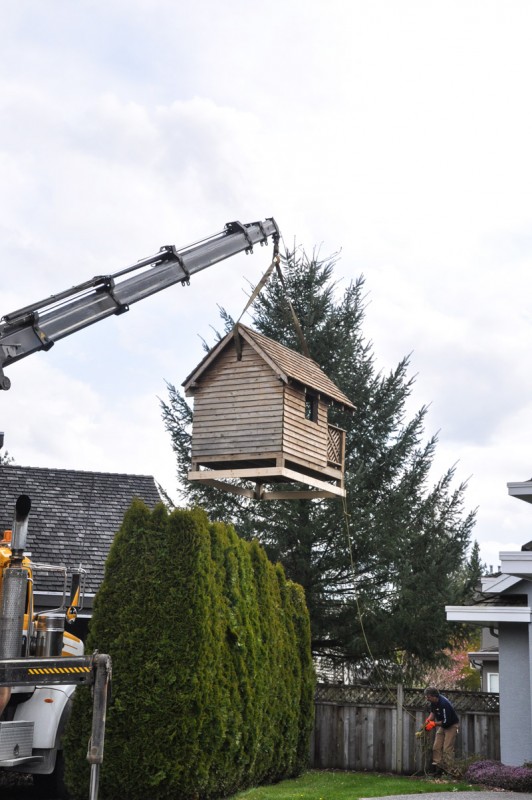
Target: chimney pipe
{"x":20,"y":525}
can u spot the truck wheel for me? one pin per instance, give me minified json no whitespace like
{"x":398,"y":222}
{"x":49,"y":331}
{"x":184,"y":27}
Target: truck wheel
{"x":52,"y":786}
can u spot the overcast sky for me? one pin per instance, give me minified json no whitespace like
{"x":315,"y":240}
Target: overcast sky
{"x":396,"y":131}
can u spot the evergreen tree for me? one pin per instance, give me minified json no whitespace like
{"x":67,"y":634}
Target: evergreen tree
{"x":213,"y":687}
{"x":379,"y":568}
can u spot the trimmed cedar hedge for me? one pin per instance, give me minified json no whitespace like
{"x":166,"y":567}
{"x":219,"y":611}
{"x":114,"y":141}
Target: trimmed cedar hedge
{"x":213,"y":683}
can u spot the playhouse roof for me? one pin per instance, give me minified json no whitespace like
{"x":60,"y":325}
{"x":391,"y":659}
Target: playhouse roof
{"x":289,"y":365}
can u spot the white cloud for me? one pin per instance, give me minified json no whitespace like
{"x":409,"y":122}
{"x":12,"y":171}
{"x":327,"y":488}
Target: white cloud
{"x":52,"y":420}
{"x":398,"y":133}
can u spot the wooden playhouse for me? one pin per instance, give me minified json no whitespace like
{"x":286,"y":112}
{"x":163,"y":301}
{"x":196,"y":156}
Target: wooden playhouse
{"x":260,"y":415}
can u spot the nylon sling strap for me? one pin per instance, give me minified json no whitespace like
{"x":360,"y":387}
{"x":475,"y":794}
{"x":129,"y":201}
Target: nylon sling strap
{"x":263,"y":281}
{"x":297,"y":326}
{"x":276,"y":264}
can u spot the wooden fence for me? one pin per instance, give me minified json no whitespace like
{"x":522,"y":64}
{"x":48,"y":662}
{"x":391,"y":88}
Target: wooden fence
{"x":374,"y":728}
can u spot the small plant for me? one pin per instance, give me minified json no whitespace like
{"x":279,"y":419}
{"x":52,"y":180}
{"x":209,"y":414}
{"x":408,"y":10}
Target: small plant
{"x":493,"y":773}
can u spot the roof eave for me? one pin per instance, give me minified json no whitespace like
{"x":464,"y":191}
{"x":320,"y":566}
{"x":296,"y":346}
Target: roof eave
{"x":520,"y":489}
{"x":265,"y":356}
{"x":206,"y":362}
{"x":488,"y":615}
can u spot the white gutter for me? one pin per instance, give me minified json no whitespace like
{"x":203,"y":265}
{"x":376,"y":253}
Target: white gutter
{"x":517,"y":563}
{"x":488,"y":615}
{"x":520,"y":489}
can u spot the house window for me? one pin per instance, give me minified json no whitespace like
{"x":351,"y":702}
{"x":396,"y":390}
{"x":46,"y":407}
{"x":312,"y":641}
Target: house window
{"x":493,"y":681}
{"x":311,"y":408}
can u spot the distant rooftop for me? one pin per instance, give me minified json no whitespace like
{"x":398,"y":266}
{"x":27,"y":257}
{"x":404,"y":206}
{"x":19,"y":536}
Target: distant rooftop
{"x":74,"y":515}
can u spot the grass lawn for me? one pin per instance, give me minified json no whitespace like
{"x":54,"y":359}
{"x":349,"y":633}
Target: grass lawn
{"x":337,"y":785}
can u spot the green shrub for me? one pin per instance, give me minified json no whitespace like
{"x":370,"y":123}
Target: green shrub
{"x":212,"y":674}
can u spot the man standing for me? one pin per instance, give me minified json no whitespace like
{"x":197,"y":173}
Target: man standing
{"x":445,"y":718}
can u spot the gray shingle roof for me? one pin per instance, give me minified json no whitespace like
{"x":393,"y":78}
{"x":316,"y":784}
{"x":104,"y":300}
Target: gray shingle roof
{"x":74,"y":515}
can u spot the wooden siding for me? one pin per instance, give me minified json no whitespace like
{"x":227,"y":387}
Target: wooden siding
{"x":248,"y":423}
{"x":303,"y":439}
{"x":238,"y":408}
{"x":296,"y":366}
{"x":283,"y":362}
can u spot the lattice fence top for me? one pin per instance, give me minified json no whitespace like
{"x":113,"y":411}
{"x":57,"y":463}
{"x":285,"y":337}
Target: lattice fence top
{"x":368,"y":695}
{"x":412,"y":698}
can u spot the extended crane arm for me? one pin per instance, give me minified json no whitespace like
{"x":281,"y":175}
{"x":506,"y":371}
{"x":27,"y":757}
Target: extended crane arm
{"x":39,"y":325}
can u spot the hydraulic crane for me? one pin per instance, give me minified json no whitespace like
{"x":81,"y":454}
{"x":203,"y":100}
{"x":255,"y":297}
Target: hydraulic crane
{"x":39,"y":325}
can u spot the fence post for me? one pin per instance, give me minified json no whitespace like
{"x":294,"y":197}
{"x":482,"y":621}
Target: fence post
{"x":399,"y":730}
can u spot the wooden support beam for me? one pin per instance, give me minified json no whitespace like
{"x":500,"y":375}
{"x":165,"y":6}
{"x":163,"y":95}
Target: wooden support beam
{"x":259,"y":494}
{"x":263,"y":475}
{"x":310,"y":494}
{"x":225,"y":487}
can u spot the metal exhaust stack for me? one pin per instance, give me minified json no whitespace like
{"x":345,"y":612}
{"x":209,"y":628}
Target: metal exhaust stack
{"x":14,"y":586}
{"x":20,"y":526}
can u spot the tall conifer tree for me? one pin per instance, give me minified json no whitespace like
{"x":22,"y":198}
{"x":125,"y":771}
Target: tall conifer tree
{"x":378,"y":568}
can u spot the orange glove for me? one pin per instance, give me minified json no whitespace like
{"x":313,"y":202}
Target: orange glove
{"x":430,"y":724}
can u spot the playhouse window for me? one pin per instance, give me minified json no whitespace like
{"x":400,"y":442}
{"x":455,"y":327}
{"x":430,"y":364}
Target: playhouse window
{"x":311,"y":408}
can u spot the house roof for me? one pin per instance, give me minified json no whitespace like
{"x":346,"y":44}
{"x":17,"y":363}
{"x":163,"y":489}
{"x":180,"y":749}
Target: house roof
{"x":498,"y":584}
{"x":287,"y":364}
{"x":493,"y":610}
{"x":486,"y":654}
{"x":521,"y":489}
{"x":74,"y":516}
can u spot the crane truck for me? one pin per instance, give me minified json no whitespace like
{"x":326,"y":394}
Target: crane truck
{"x":41,"y":663}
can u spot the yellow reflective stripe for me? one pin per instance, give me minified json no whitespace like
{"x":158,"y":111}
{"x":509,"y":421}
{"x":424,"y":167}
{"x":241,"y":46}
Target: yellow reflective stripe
{"x":56,"y":670}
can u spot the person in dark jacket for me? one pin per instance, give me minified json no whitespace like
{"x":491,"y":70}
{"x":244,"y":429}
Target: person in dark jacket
{"x":444,"y":716}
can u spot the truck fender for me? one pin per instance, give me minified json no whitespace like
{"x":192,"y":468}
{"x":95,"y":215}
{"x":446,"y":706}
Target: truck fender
{"x":49,"y":709}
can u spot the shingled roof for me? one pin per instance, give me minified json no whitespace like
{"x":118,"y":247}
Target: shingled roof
{"x":288,"y":364}
{"x":74,"y":515}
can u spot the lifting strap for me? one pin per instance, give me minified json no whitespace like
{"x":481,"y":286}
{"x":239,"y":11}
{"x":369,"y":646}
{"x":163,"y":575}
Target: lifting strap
{"x":276,"y":264}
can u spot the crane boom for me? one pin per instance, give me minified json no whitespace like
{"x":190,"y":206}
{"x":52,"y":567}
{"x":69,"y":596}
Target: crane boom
{"x":39,"y":325}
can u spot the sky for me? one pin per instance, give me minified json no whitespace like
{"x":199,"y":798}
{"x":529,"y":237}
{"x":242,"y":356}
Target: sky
{"x":394,"y":132}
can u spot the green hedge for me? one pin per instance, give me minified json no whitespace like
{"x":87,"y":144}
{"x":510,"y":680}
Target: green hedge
{"x":213,"y":683}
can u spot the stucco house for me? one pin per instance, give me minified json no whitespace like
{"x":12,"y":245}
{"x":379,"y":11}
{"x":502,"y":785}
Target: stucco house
{"x":73,"y":519}
{"x":506,"y":608}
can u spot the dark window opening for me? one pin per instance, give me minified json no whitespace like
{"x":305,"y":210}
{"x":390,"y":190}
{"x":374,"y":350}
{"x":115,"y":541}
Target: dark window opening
{"x":311,"y":408}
